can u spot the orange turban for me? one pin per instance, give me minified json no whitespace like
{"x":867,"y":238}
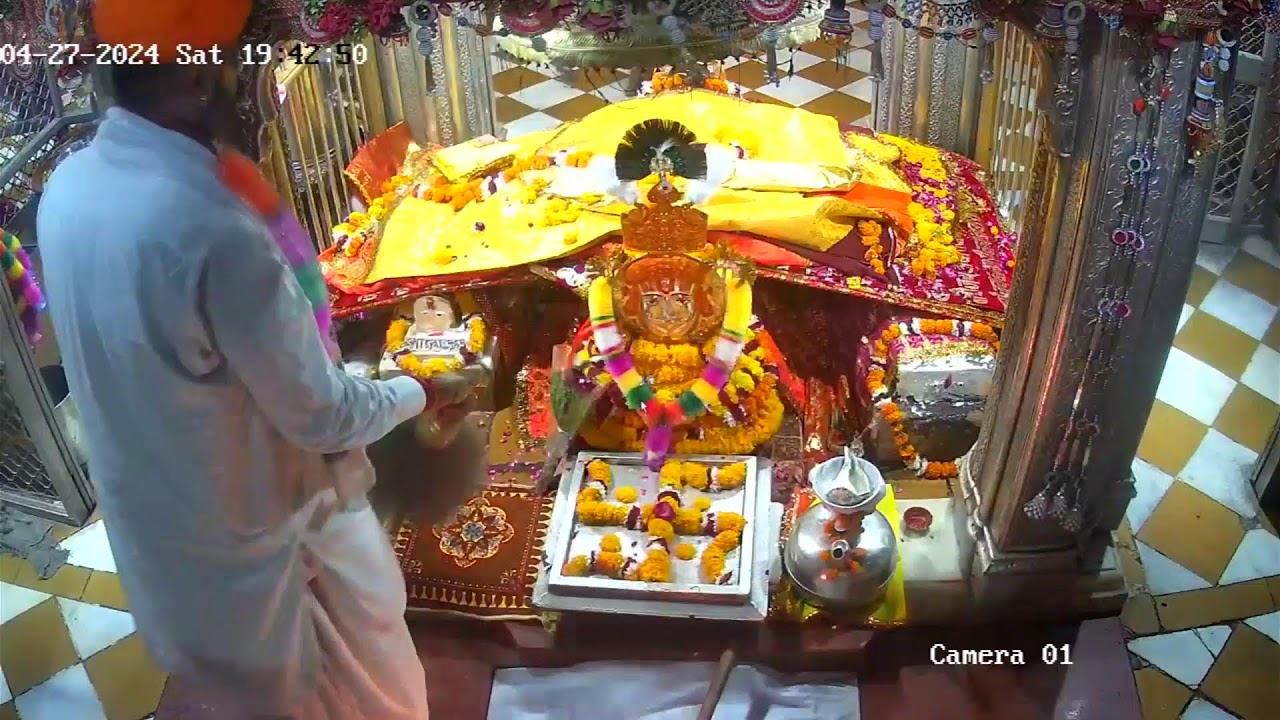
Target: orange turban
{"x":166,"y":24}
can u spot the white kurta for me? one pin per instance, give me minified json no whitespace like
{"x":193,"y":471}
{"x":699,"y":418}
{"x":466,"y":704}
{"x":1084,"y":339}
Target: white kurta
{"x":208,"y":404}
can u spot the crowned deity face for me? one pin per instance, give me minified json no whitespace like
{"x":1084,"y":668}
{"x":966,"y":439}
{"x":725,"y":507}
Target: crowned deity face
{"x":670,"y":299}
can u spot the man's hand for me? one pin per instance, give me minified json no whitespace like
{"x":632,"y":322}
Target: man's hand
{"x":446,"y":390}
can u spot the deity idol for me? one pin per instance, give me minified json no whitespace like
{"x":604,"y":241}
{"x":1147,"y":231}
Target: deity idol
{"x":431,"y":339}
{"x":671,"y":327}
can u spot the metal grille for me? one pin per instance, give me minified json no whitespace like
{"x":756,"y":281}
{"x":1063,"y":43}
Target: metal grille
{"x":20,"y":466}
{"x":27,"y":107}
{"x":323,"y":121}
{"x":1253,"y":35}
{"x":1235,"y":140}
{"x":1268,"y":166}
{"x":1013,"y":125}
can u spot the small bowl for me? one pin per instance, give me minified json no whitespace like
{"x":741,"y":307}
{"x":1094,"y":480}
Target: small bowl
{"x":916,"y":521}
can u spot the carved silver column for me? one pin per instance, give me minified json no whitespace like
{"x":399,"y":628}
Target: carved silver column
{"x":1086,"y":168}
{"x":446,"y":98}
{"x":931,"y":88}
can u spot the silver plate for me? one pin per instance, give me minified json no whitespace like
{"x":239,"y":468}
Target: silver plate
{"x":628,"y":469}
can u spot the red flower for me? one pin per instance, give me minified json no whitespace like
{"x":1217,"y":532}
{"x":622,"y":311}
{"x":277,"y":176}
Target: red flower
{"x":381,"y":15}
{"x":338,"y":20}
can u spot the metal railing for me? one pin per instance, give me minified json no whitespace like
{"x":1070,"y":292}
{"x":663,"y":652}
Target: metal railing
{"x":1010,"y":126}
{"x":328,"y":110}
{"x":38,"y":471}
{"x":1248,"y":166}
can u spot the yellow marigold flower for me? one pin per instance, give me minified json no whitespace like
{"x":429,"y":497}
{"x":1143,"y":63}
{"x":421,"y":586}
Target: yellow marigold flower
{"x":609,"y":564}
{"x":626,"y":494}
{"x":610,"y":543}
{"x":660,"y":528}
{"x":589,"y":494}
{"x":577,"y":566}
{"x":688,"y":521}
{"x":727,"y":540}
{"x":671,"y":475}
{"x":599,"y":470}
{"x":358,"y":218}
{"x":712,"y":565}
{"x":730,"y":521}
{"x":731,"y":476}
{"x":702,"y":504}
{"x":655,"y":568}
{"x":696,"y":475}
{"x":685,"y":551}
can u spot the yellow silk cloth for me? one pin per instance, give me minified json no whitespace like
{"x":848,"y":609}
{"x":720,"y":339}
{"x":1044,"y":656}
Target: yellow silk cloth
{"x":424,"y":239}
{"x":458,"y":162}
{"x":787,"y":135}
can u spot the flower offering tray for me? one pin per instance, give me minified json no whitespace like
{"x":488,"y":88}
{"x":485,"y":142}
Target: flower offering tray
{"x":573,"y":538}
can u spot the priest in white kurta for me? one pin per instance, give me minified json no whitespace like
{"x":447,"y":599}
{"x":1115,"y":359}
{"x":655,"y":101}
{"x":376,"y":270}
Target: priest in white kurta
{"x":253,"y":570}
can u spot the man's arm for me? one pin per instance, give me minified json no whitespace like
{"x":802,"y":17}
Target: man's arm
{"x":266,"y":329}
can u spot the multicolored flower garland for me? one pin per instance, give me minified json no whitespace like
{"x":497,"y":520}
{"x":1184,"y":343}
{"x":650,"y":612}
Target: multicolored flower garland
{"x":411,"y":364}
{"x":28,"y":301}
{"x":881,"y":398}
{"x":662,"y":418}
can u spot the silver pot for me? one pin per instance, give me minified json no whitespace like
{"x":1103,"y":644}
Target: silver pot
{"x":65,"y":410}
{"x":820,"y":571}
{"x":842,"y":552}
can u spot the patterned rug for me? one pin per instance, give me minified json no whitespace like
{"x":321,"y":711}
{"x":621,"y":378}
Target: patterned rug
{"x":482,"y":561}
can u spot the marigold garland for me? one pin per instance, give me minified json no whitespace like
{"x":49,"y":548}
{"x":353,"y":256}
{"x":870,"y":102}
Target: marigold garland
{"x":878,"y":389}
{"x":411,"y":364}
{"x":747,"y":413}
{"x":872,"y":234}
{"x":932,"y":208}
{"x":663,"y":521}
{"x":663,"y":416}
{"x":360,"y":227}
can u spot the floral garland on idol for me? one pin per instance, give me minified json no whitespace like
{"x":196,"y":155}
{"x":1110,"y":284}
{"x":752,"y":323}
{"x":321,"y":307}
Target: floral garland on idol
{"x":411,"y":364}
{"x":662,"y":416}
{"x":878,"y":382}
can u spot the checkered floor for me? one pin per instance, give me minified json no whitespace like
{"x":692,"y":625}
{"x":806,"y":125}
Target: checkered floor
{"x":812,"y":76}
{"x":1204,"y":560}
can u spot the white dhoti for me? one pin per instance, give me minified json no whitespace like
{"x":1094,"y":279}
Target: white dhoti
{"x":355,"y":600}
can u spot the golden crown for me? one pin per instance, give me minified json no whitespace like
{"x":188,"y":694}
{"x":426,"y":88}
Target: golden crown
{"x":662,"y":226}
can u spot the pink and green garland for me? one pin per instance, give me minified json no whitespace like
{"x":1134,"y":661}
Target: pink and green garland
{"x":639,"y":395}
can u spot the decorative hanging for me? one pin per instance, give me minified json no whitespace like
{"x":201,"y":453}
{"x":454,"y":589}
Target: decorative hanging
{"x":990,"y":35}
{"x":425,"y":18}
{"x":836,"y":23}
{"x":771,"y":12}
{"x":956,"y":20}
{"x":1205,"y":117}
{"x":876,"y":15}
{"x":532,"y":18}
{"x":1061,"y":498}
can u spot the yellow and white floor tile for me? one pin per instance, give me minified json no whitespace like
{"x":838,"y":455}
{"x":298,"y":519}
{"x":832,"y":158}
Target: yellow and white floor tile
{"x":1204,"y":560}
{"x":68,"y":650}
